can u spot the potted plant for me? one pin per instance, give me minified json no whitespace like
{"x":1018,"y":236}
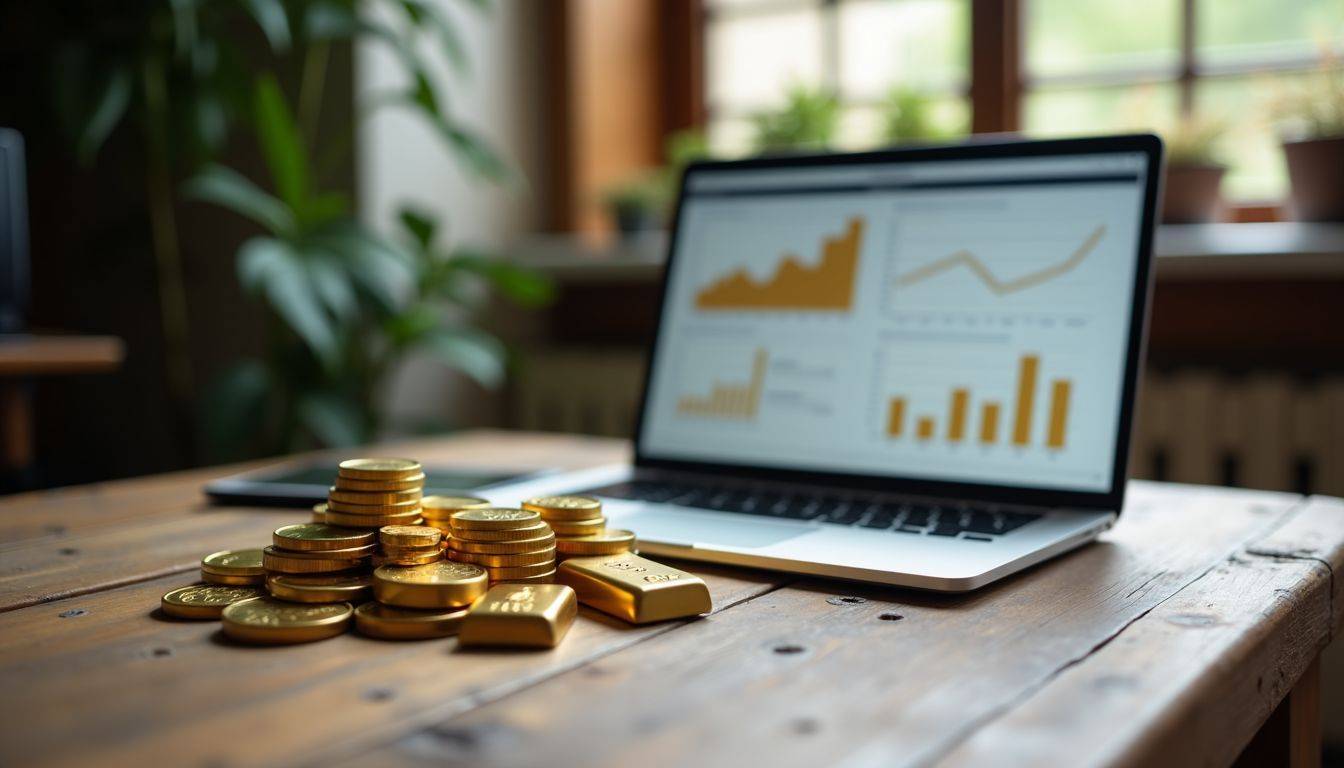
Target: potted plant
{"x":1194,"y":173}
{"x":1313,"y":146}
{"x":643,"y":203}
{"x":807,"y":121}
{"x":907,"y":116}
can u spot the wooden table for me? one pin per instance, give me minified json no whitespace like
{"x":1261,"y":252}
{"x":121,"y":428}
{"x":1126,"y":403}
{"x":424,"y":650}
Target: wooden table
{"x":1197,"y":620}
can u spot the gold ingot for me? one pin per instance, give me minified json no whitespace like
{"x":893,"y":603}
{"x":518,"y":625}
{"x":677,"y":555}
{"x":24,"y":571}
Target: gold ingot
{"x":234,"y":562}
{"x":379,"y":469}
{"x":385,"y":486}
{"x":565,"y":507}
{"x":610,"y":542}
{"x":372,"y":521}
{"x":534,"y":531}
{"x":205,"y":601}
{"x":383,"y":510}
{"x":445,"y":506}
{"x":503,"y":547}
{"x":536,"y":557}
{"x":235,"y":581}
{"x":520,"y":572}
{"x":319,"y":537}
{"x":320,"y":513}
{"x":526,"y":615}
{"x":493,"y":519}
{"x":373,"y":497}
{"x":635,"y":588}
{"x":315,"y":562}
{"x":410,"y":558}
{"x":321,"y":589}
{"x":443,"y":584}
{"x":542,"y":578}
{"x":387,"y":622}
{"x":579,"y":527}
{"x":266,"y":620}
{"x":409,"y":536}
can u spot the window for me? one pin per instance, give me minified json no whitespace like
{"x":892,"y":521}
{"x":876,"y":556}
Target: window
{"x":857,"y":51}
{"x":1087,"y":66}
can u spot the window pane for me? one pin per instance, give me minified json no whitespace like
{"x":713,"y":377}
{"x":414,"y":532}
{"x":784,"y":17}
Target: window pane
{"x":1264,"y":30}
{"x":1071,"y":37}
{"x":1068,"y":111}
{"x":752,"y":60}
{"x":730,"y":137}
{"x":916,"y":43}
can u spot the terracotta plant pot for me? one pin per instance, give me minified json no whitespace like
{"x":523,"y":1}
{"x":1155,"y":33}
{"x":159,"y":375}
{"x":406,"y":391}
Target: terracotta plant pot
{"x":1191,"y":195}
{"x":1316,"y":170}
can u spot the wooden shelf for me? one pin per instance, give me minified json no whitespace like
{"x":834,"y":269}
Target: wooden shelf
{"x":25,"y":355}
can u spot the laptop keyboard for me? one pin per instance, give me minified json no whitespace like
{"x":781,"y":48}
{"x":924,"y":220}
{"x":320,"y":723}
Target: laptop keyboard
{"x":967,"y":521}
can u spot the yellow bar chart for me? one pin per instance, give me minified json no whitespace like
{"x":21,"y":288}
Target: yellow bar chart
{"x":958,"y":418}
{"x":729,"y":400}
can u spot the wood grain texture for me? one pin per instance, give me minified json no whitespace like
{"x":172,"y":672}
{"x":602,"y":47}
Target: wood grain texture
{"x":1316,"y":533}
{"x":800,"y":676}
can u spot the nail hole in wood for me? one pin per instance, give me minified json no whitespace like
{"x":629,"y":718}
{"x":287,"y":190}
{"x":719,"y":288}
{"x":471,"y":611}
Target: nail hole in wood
{"x":379,"y":694}
{"x":891,"y":617}
{"x":160,"y":653}
{"x":788,"y":649}
{"x":73,"y":612}
{"x":846,"y":600}
{"x":68,"y":551}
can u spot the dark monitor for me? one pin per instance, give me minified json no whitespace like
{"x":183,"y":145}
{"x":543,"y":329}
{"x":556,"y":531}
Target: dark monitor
{"x":13,"y":232}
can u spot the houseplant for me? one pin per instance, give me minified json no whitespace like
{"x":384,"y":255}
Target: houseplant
{"x":1194,"y":172}
{"x":907,"y":116}
{"x":1313,"y":145}
{"x":807,"y":121}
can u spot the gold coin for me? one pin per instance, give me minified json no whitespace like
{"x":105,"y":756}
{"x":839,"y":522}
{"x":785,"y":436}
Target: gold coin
{"x":494,"y":518}
{"x":507,"y":534}
{"x":379,"y":469}
{"x":409,"y":536}
{"x":443,"y":584}
{"x":579,"y":527}
{"x":319,"y":537}
{"x":346,"y":508}
{"x":373,"y":497}
{"x":503,"y":547}
{"x":385,"y":486}
{"x":535,"y":557}
{"x":565,"y":507}
{"x":320,"y":513}
{"x":219,"y":578}
{"x":372,"y":521}
{"x":271,"y":621}
{"x":609,"y":542}
{"x":390,"y":623}
{"x":234,"y":562}
{"x":543,"y":578}
{"x":305,"y":562}
{"x":321,"y":589}
{"x":410,"y":558}
{"x":443,"y":506}
{"x":520,"y":572}
{"x":205,"y":601}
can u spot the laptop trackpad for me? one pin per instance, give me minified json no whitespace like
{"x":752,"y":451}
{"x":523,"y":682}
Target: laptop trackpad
{"x":676,"y":525}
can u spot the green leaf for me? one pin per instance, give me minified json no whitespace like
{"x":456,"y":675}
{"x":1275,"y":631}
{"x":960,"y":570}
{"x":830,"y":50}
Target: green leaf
{"x":409,"y":327}
{"x":185,"y":26}
{"x":380,"y":268}
{"x":332,"y":284}
{"x":523,"y":286}
{"x":110,"y":108}
{"x":271,"y":267}
{"x":479,"y":156}
{"x":333,"y":420}
{"x":229,"y":189}
{"x":281,"y":145}
{"x":327,"y":207}
{"x":270,"y":16}
{"x":473,"y":352}
{"x":421,"y":226}
{"x":423,"y":14}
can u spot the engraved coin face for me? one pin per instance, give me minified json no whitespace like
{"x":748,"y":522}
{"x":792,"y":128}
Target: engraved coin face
{"x":212,"y":594}
{"x":441,"y":572}
{"x":453,"y":502}
{"x":319,"y":532}
{"x":501,"y":514}
{"x":234,"y":561}
{"x":381,"y":465}
{"x":564,"y":502}
{"x":267,"y":612}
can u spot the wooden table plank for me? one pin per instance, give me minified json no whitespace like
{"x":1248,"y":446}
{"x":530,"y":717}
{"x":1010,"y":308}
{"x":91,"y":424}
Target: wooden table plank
{"x":802,"y":677}
{"x":1314,"y":533}
{"x":99,"y":680}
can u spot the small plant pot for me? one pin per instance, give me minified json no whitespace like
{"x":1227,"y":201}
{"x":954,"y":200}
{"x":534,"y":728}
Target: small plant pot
{"x":1316,"y":172}
{"x":1192,"y":195}
{"x":634,"y":220}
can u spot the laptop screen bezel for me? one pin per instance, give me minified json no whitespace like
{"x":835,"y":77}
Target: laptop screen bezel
{"x":1111,"y":499}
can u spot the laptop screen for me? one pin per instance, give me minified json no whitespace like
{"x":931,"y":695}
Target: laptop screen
{"x":960,"y":320}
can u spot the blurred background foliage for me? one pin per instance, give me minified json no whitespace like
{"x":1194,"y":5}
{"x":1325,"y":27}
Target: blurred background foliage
{"x":345,"y":304}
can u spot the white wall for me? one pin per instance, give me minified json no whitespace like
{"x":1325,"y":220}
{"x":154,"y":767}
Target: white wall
{"x":402,"y":160}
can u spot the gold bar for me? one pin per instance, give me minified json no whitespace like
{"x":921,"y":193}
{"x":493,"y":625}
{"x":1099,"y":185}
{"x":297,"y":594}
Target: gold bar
{"x":895,"y":416}
{"x":1059,"y":412}
{"x":956,"y":423}
{"x":989,"y":423}
{"x":924,"y":427}
{"x":527,"y":615}
{"x":634,"y":588}
{"x":1026,"y":395}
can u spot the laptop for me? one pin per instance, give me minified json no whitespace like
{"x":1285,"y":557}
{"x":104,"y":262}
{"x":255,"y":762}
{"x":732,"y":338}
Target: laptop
{"x":913,"y":367}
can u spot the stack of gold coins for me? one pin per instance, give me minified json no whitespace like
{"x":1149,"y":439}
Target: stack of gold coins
{"x":318,"y":549}
{"x":580,"y":528}
{"x":408,"y":545}
{"x":438,"y":509}
{"x":372,"y":493}
{"x":510,"y":544}
{"x":420,"y":601}
{"x":233,"y":567}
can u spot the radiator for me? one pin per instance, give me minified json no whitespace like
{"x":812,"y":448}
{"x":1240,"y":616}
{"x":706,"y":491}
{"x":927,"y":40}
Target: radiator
{"x":1258,"y":430}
